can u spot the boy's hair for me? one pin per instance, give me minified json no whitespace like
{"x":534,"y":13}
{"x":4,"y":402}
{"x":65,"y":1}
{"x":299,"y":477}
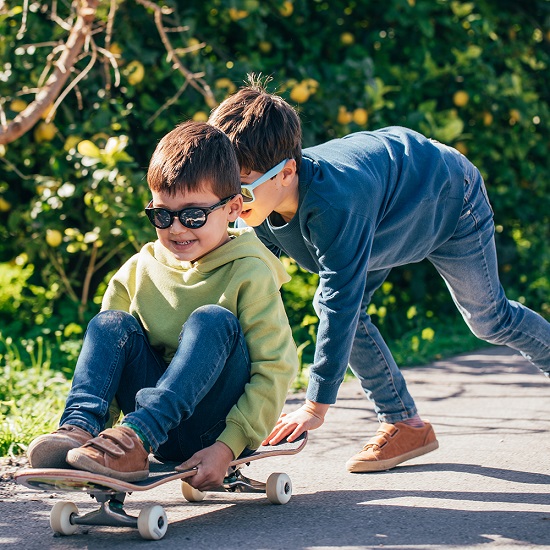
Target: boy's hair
{"x":192,"y":156}
{"x":263,"y":128}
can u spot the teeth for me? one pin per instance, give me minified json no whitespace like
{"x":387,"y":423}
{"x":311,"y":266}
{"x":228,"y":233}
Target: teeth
{"x":183,"y":242}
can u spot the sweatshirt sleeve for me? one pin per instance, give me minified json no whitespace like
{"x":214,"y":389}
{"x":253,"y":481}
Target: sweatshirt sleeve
{"x":274,"y":362}
{"x":120,"y":289}
{"x":343,"y":249}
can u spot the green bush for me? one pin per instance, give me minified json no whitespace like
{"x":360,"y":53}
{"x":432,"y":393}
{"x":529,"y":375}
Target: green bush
{"x":473,"y":75}
{"x":32,"y":394}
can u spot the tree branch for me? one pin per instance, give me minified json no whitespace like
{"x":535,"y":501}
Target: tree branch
{"x":78,"y":36}
{"x":195,"y":80}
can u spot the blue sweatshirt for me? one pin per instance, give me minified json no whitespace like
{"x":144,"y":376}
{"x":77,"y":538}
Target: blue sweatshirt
{"x":368,"y":201}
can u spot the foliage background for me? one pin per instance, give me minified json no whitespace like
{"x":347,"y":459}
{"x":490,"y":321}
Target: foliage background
{"x":470,"y":74}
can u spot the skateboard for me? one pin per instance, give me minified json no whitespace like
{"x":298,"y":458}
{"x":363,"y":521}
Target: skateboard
{"x":151,"y":522}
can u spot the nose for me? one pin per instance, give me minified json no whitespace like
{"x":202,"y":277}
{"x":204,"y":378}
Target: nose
{"x":177,"y":227}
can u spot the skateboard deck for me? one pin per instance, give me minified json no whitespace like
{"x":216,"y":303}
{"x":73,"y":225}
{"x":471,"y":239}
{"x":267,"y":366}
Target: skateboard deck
{"x":68,"y":480}
{"x":151,"y":522}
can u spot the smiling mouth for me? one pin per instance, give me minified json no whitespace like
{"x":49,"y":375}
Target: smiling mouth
{"x":182,"y":243}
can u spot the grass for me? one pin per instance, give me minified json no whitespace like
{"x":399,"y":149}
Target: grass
{"x":32,"y":393}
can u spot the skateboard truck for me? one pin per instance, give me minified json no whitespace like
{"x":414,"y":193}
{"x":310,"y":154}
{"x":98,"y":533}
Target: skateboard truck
{"x":151,"y":522}
{"x":110,"y":513}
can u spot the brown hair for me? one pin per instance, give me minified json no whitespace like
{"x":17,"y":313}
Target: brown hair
{"x":191,"y":156}
{"x":263,"y":128}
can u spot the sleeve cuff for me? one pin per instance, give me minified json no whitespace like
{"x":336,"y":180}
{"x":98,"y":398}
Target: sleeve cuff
{"x":234,"y":438}
{"x":322,"y":392}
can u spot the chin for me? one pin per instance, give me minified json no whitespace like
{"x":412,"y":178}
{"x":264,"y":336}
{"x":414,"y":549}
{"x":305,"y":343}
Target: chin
{"x":251,"y":219}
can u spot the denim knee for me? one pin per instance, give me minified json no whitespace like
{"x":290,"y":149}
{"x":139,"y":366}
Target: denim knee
{"x":113,"y":319}
{"x":498,"y":329}
{"x":211,"y":315}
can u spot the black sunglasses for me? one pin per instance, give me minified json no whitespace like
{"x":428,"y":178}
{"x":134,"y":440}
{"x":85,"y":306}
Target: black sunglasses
{"x":192,"y":217}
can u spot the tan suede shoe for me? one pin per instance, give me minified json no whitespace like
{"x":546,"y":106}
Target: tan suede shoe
{"x":393,"y":444}
{"x":115,"y":452}
{"x":50,"y":450}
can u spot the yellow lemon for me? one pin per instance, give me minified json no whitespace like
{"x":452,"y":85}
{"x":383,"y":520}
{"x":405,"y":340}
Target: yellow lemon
{"x":5,"y":206}
{"x":115,"y":49}
{"x":47,"y":112}
{"x":487,"y":118}
{"x":200,"y":116}
{"x":194,"y":45}
{"x":265,"y":46}
{"x":225,"y":83}
{"x":45,"y":131}
{"x":135,"y":72}
{"x":18,"y":105}
{"x":461,"y":147}
{"x":54,"y":237}
{"x":360,"y":116}
{"x":461,"y":98}
{"x":347,"y":38}
{"x":300,"y":93}
{"x":236,"y":14}
{"x":344,"y":116}
{"x":515,"y":116}
{"x":287,"y":9}
{"x":312,"y":84}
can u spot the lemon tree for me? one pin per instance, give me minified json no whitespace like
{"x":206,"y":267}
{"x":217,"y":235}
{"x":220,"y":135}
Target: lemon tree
{"x":72,"y":190}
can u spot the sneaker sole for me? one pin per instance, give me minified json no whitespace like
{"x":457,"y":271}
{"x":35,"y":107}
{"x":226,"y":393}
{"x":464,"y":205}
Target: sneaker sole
{"x":85,"y":463}
{"x":51,"y":454}
{"x":356,"y":466}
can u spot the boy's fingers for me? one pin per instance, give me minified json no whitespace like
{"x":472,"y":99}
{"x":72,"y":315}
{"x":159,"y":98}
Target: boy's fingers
{"x":281,"y":433}
{"x":192,"y":462}
{"x":184,"y":466}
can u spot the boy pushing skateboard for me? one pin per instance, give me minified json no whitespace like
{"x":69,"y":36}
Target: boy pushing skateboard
{"x":350,"y":210}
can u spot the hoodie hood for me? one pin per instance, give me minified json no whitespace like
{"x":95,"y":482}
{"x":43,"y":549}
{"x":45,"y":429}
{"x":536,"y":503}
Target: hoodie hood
{"x":243,"y":243}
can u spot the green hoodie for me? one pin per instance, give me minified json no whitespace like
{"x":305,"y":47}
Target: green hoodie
{"x":242,"y":276}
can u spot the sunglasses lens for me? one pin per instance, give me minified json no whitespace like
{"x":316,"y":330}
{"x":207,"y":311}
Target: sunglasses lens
{"x":247,"y":194}
{"x":159,"y":217}
{"x":193,"y":218}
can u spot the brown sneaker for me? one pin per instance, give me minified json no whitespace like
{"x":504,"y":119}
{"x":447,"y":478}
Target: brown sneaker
{"x":393,"y":444}
{"x":50,"y":450}
{"x":115,"y":452}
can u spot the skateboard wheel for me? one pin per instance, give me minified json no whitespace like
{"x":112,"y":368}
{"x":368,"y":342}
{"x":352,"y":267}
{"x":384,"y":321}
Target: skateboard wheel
{"x":152,"y":522}
{"x":278,"y":488}
{"x":60,"y":517}
{"x":190,"y":494}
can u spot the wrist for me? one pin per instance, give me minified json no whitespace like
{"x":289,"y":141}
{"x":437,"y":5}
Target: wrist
{"x":316,"y":409}
{"x":224,"y":450}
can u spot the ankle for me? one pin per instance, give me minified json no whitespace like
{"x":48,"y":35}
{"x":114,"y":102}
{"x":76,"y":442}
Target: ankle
{"x":414,"y":422}
{"x":139,"y":433}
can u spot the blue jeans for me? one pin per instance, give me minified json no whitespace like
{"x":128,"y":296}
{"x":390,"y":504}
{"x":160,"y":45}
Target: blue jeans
{"x":180,"y":407}
{"x":468,"y":264}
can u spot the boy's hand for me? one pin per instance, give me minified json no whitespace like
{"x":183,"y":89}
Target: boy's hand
{"x":212,"y":464}
{"x":309,"y":416}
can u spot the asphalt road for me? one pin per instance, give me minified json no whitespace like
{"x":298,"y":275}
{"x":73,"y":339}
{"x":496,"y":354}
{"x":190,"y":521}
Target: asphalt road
{"x":486,"y":487}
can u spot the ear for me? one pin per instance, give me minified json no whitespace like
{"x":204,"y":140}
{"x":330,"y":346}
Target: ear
{"x":235,"y":208}
{"x":288,"y":172}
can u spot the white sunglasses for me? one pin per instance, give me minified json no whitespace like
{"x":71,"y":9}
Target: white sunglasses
{"x":247,"y":189}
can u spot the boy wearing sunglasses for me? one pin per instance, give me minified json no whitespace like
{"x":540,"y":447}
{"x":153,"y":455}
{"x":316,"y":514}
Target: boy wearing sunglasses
{"x":192,"y":342}
{"x":350,"y":210}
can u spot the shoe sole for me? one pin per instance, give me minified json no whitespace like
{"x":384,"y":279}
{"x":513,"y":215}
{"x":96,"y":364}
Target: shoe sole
{"x":51,"y":454}
{"x":357,"y":466}
{"x":85,"y":463}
